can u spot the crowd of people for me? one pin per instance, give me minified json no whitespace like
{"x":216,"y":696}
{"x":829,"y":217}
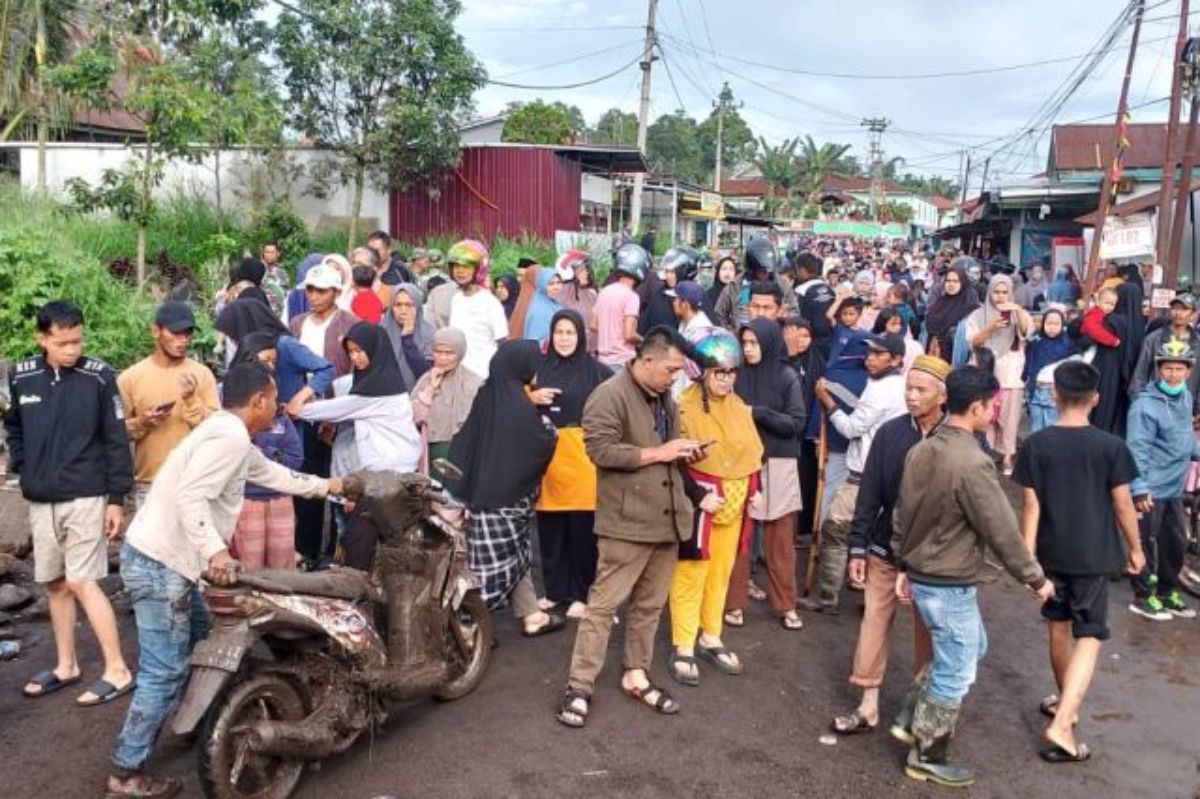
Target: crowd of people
{"x":669,"y":439}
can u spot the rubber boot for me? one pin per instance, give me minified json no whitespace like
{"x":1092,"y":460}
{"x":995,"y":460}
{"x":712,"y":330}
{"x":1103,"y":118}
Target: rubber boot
{"x":901,"y":728}
{"x":831,"y":570}
{"x":933,"y":728}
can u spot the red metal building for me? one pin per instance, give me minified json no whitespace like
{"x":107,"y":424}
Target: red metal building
{"x":506,"y":190}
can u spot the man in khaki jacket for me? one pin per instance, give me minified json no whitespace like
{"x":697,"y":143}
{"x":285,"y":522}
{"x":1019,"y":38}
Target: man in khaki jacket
{"x":644,"y":509}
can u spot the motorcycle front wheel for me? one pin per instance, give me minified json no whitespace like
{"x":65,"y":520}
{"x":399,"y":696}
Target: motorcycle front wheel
{"x":472,"y":625}
{"x":229,"y":769}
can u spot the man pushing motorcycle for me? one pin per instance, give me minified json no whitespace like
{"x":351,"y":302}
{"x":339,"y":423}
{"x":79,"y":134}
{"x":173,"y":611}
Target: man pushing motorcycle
{"x":181,"y":532}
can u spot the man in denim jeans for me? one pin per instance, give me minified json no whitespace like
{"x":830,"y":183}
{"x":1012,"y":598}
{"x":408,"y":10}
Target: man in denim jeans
{"x":181,"y":531}
{"x":951,"y":509}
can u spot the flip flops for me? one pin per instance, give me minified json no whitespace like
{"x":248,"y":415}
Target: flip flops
{"x":554,"y":624}
{"x":569,"y":712}
{"x":735,"y":618}
{"x":106,"y":692}
{"x":1056,"y":754}
{"x":712,"y":655}
{"x":852,"y":723}
{"x":681,"y":676}
{"x":48,"y":682}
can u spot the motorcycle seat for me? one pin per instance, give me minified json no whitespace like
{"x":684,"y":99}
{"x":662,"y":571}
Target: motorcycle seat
{"x":334,"y":583}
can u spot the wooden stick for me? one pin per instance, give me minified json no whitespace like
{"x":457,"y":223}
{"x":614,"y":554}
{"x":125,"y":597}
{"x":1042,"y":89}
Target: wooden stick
{"x":818,"y":497}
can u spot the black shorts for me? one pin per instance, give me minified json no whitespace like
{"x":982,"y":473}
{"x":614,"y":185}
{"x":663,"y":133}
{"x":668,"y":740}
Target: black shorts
{"x":1081,"y":599}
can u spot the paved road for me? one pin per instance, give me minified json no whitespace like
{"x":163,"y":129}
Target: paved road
{"x":753,"y":735}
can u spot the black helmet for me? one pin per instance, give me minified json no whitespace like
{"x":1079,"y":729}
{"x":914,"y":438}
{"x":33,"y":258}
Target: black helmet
{"x":760,"y":257}
{"x":684,"y":261}
{"x":633,"y":260}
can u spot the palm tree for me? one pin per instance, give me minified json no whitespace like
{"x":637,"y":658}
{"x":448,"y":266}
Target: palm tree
{"x":778,"y":168}
{"x":34,"y":36}
{"x":818,"y":164}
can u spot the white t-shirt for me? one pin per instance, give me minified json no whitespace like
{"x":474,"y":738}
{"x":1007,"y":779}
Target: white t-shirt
{"x":312,"y":334}
{"x":480,"y":317}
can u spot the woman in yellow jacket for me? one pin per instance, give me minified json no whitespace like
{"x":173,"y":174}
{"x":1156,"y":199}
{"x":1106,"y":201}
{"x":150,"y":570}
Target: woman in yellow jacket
{"x":567,"y":504}
{"x":711,"y":412}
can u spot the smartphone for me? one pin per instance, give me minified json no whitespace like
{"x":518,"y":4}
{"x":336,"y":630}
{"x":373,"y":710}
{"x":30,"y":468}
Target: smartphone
{"x":707,"y":444}
{"x":1006,"y":316}
{"x":165,"y":407}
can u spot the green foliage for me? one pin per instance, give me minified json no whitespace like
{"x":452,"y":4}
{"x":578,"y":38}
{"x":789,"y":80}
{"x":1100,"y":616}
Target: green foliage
{"x":278,"y":221}
{"x":616,"y":127}
{"x":892,"y":211}
{"x":778,"y":168}
{"x":672,"y":147}
{"x":543,"y":123}
{"x":818,"y":164}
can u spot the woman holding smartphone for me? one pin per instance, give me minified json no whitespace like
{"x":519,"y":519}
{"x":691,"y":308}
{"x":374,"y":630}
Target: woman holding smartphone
{"x":728,"y":466}
{"x":1002,"y":326}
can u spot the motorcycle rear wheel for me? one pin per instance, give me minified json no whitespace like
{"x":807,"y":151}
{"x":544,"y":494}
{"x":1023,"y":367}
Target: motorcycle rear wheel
{"x":228,"y":769}
{"x":475,"y":624}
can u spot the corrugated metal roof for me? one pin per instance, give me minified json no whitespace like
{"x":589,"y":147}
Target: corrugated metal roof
{"x":1079,"y":148}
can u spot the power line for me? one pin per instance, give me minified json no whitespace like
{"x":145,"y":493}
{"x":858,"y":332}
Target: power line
{"x":566,"y":86}
{"x":572,"y":60}
{"x":553,"y":29}
{"x":671,"y":79}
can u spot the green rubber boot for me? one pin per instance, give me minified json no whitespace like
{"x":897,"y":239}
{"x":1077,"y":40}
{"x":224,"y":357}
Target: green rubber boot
{"x":933,"y":728}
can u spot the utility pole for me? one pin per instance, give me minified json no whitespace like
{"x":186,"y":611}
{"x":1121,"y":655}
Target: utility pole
{"x":876,"y":126}
{"x":1189,"y":66}
{"x":723,"y":103}
{"x":635,"y":203}
{"x":1171,"y":159}
{"x":1106,"y":189}
{"x":962,"y":199}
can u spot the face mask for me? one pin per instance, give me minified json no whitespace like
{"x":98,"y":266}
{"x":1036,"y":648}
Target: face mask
{"x":1171,"y":391}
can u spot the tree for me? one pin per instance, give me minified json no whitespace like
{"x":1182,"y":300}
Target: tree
{"x":778,"y":168}
{"x":35,"y":36}
{"x":381,"y":84}
{"x":930,"y":185}
{"x":894,"y":211}
{"x":616,"y":127}
{"x":672,"y":147}
{"x":543,"y":123}
{"x":818,"y":164}
{"x":738,"y":143}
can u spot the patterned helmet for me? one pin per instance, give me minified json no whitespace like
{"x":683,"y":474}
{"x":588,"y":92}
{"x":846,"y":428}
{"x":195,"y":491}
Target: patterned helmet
{"x":569,"y":261}
{"x":1175,"y":350}
{"x":470,"y":252}
{"x":632,"y":260}
{"x":718,"y":350}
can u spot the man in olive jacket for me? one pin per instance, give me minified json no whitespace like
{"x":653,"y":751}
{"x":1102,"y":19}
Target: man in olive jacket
{"x":644,"y":509}
{"x":951,"y":508}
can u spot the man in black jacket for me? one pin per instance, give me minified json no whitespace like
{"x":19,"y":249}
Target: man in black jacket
{"x":872,"y":562}
{"x":67,"y":443}
{"x":813,"y":298}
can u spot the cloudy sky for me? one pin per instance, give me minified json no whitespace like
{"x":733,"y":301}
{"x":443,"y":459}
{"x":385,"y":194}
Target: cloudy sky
{"x":753,"y":44}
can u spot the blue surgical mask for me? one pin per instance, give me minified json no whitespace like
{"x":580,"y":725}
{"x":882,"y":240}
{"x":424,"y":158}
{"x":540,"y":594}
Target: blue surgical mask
{"x":1171,"y":391}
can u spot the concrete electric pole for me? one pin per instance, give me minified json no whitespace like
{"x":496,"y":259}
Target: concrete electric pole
{"x":723,"y":103}
{"x":876,"y":125}
{"x":635,"y":203}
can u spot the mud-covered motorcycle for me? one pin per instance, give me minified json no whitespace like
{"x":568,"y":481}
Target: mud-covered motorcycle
{"x":298,"y":665}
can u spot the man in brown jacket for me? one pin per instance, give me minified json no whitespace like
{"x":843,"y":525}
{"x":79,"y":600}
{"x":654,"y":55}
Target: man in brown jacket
{"x":951,"y":509}
{"x":643,"y":510}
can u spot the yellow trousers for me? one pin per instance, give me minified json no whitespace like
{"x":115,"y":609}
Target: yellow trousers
{"x":699,"y":587}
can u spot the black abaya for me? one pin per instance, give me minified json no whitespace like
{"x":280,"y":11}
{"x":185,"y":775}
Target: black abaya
{"x":1112,"y":363}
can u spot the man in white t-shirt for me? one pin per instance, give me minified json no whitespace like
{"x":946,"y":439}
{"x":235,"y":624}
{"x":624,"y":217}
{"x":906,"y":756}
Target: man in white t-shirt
{"x":474,"y":310}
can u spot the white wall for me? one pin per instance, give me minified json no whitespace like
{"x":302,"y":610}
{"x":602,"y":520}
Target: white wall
{"x":89,"y":161}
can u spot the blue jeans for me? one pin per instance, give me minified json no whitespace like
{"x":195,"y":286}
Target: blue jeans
{"x":171,"y":618}
{"x":1042,"y":411}
{"x":959,"y":641}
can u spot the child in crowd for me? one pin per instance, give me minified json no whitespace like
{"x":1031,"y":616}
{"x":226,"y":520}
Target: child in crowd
{"x":1093,"y":321}
{"x":366,"y":304}
{"x":1076,"y":481}
{"x":1045,"y":351}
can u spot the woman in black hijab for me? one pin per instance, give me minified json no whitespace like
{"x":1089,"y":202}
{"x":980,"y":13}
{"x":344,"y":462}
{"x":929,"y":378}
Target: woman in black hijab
{"x":246,"y":315}
{"x":776,"y":399}
{"x":956,"y":302}
{"x":512,"y":290}
{"x":567,"y":504}
{"x":503,"y":450}
{"x":808,"y":364}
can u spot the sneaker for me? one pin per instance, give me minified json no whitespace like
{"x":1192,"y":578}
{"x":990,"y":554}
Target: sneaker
{"x":1174,"y":604}
{"x":1150,"y":607}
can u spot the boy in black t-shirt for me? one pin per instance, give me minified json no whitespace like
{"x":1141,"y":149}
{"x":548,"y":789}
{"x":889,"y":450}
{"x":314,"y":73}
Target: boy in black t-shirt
{"x":1076,"y":493}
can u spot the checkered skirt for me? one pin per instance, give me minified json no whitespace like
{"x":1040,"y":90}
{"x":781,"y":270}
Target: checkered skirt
{"x":498,"y":548}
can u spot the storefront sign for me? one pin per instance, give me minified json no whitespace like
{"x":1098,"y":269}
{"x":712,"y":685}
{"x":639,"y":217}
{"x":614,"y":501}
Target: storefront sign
{"x":1160,"y":298}
{"x":1127,"y":237}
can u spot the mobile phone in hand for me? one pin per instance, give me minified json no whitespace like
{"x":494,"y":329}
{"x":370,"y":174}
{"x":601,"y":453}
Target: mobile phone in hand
{"x":165,"y":407}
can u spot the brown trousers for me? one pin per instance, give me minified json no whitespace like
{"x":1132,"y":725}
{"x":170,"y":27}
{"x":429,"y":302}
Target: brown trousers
{"x":871,"y":653}
{"x":626,"y":570}
{"x":779,"y":549}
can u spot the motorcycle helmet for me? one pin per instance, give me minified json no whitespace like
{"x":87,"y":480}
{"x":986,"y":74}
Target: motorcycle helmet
{"x":470,"y":252}
{"x":761,"y":257}
{"x":569,"y":261}
{"x":1175,"y":350}
{"x":683,"y":261}
{"x":718,"y":350}
{"x":632,"y":260}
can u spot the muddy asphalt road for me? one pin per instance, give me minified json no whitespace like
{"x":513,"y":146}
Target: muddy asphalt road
{"x":752,"y":735}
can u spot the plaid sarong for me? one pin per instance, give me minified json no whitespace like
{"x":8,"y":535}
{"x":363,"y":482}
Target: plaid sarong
{"x":498,"y":549}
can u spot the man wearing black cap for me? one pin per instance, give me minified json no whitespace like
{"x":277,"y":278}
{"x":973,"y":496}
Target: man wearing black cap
{"x":166,"y":394}
{"x":1179,"y":326}
{"x":881,"y":401}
